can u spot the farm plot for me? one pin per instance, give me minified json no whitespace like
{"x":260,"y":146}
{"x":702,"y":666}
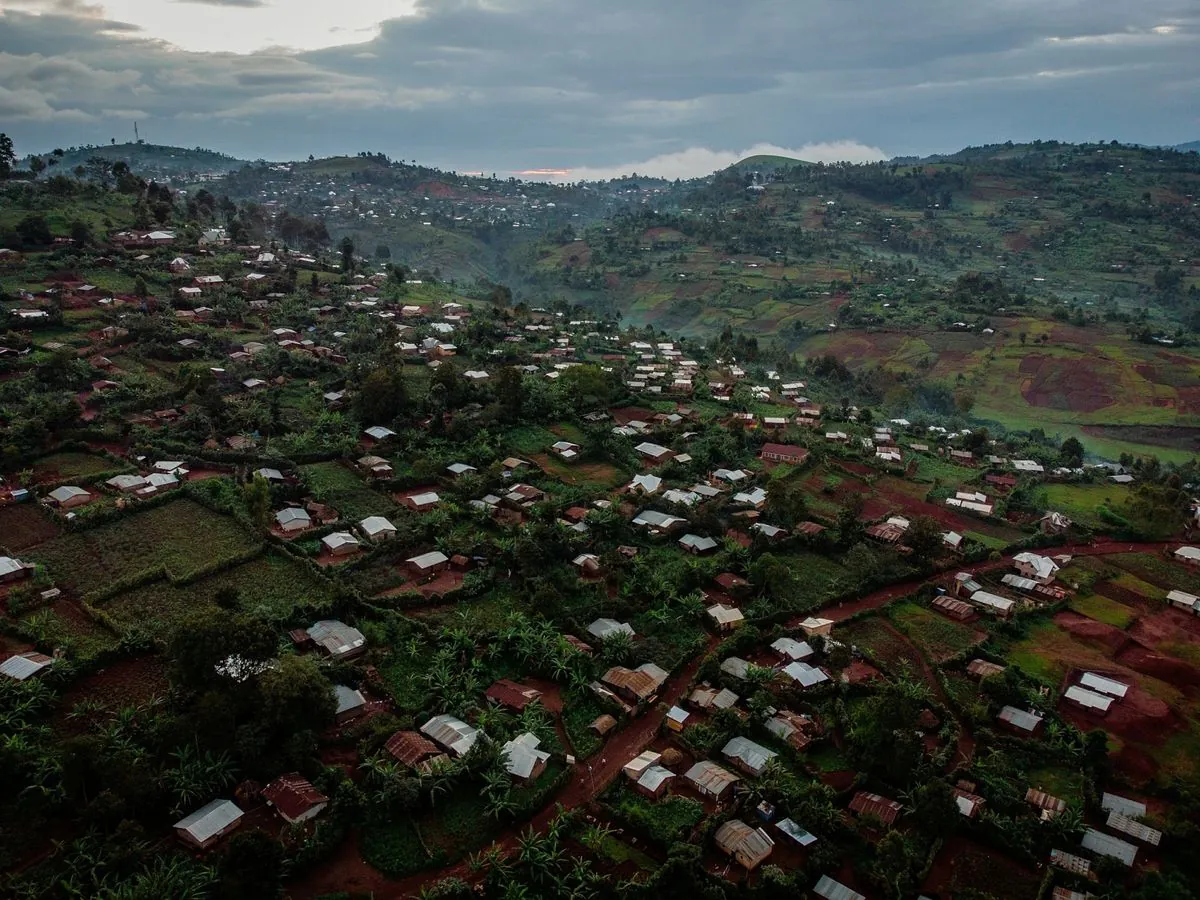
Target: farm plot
{"x":1102,"y":609}
{"x":936,"y":636}
{"x":65,"y":625}
{"x":1156,"y":726}
{"x":963,"y":868}
{"x":271,"y":587}
{"x":347,"y":493}
{"x":889,"y":648}
{"x":163,"y":539}
{"x":1162,"y":573}
{"x":1082,"y":502}
{"x":74,"y":467}
{"x":23,"y":525}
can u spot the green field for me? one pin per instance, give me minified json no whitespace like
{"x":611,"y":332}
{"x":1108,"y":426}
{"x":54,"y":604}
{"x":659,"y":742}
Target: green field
{"x":938,"y":637}
{"x":163,"y":538}
{"x":271,"y":587}
{"x":1081,"y":502}
{"x":1102,"y":609}
{"x":345,"y":491}
{"x":889,"y":649}
{"x":75,"y":466}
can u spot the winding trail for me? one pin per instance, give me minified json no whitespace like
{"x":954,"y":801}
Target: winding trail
{"x":347,"y":871}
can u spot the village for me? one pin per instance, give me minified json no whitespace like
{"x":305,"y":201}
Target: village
{"x":511,"y":561}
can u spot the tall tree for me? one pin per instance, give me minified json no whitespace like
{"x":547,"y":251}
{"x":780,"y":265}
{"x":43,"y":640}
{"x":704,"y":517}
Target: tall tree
{"x":8,"y":156}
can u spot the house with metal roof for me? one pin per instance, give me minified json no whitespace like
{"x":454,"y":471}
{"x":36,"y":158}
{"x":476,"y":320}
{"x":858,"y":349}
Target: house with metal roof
{"x":13,"y":569}
{"x":22,"y":666}
{"x":1041,"y":569}
{"x":802,"y":837}
{"x":834,"y":890}
{"x":710,"y":779}
{"x":1134,"y":829}
{"x":336,"y":639}
{"x":512,"y":695}
{"x":1069,"y":862}
{"x":697,"y":545}
{"x":350,"y":702}
{"x":294,"y":798}
{"x":377,"y":433}
{"x":1025,"y":722}
{"x":791,"y":649}
{"x":886,"y":811}
{"x":452,"y":733}
{"x":293,"y":519}
{"x":603,"y":629}
{"x":522,"y":758}
{"x":1106,"y":845}
{"x":1089,"y":701}
{"x":805,"y":675}
{"x":634,"y":769}
{"x":657,"y":522}
{"x":340,"y":543}
{"x":982,"y":668}
{"x":705,"y":698}
{"x":654,"y":452}
{"x":211,"y":822}
{"x":814,"y":625}
{"x":725,"y":618}
{"x":1185,"y":601}
{"x":1189,"y":555}
{"x":415,"y":751}
{"x":1050,"y":806}
{"x":1102,"y":685}
{"x":735,"y":667}
{"x":748,"y":846}
{"x":68,"y":497}
{"x":126,"y":483}
{"x":376,"y":529}
{"x":430,"y":563}
{"x":1135,"y":809}
{"x":654,"y":781}
{"x":748,"y":756}
{"x":993,"y":603}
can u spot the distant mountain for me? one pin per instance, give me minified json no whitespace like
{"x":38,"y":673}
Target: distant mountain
{"x":766,"y":163}
{"x":152,"y":159}
{"x":1190,"y":146}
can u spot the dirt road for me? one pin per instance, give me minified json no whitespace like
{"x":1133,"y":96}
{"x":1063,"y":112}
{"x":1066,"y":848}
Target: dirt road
{"x":347,"y":871}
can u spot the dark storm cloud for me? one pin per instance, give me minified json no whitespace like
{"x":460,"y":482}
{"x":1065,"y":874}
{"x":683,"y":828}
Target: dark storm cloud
{"x":508,"y":84}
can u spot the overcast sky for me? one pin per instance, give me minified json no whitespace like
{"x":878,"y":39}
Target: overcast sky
{"x":595,"y":88}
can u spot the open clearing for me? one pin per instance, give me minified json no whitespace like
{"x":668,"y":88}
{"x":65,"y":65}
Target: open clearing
{"x":163,"y":538}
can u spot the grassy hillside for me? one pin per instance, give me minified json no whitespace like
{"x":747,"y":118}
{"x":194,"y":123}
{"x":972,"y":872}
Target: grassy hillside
{"x":765,"y":162}
{"x":152,"y":159}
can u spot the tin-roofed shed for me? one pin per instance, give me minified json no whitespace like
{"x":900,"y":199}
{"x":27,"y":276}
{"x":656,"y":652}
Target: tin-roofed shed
{"x":209,"y":823}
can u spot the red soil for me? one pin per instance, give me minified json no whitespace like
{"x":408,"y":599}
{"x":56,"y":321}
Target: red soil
{"x":1112,"y":639}
{"x":1174,"y":672}
{"x":626,"y":414}
{"x":1056,"y":383}
{"x":962,"y":864}
{"x":348,"y":871}
{"x":1166,"y":626}
{"x":1138,"y":718}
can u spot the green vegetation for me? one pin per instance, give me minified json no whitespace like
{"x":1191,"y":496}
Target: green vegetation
{"x":336,"y":485}
{"x":1104,"y":610}
{"x":161,"y":539}
{"x":936,"y":636}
